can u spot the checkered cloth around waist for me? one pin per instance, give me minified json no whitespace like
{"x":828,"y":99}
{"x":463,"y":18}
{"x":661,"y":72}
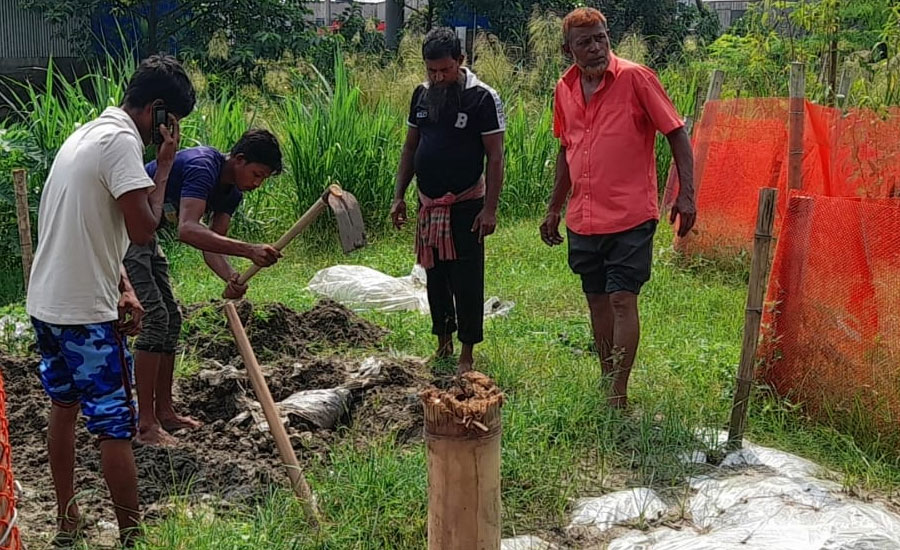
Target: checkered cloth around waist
{"x":434,"y":230}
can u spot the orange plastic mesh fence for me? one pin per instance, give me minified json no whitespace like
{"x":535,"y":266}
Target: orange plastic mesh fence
{"x":741,"y":145}
{"x":9,"y":532}
{"x":832,"y":326}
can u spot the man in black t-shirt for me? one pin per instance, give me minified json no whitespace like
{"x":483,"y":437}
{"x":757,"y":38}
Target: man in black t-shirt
{"x":455,"y":123}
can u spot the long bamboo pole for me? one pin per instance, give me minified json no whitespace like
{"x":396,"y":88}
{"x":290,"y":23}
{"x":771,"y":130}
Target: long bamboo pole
{"x":20,"y":182}
{"x":276,"y":428}
{"x":759,"y":276}
{"x":795,"y":125}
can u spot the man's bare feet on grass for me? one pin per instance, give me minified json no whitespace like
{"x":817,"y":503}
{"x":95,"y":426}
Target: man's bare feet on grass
{"x":70,"y":529}
{"x":445,"y":346}
{"x":466,"y":360}
{"x":155,"y":436}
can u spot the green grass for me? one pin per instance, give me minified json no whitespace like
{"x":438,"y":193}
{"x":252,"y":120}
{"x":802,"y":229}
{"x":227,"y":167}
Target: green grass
{"x":560,"y":441}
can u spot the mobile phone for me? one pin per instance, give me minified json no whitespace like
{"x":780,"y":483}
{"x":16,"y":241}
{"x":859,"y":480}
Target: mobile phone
{"x":160,"y":116}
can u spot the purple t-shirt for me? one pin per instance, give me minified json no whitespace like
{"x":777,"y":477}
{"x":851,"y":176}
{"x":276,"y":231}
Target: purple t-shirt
{"x":195,"y":175}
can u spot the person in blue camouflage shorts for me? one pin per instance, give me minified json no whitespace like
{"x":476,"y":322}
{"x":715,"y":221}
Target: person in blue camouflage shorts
{"x":88,"y":365}
{"x":97,"y":199}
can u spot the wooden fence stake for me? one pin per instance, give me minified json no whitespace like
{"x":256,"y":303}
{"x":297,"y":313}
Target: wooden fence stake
{"x":713,"y":92}
{"x":463,"y":454}
{"x":795,"y":125}
{"x":759,"y":276}
{"x":832,"y":73}
{"x":847,"y":76}
{"x":295,"y":473}
{"x":20,"y":182}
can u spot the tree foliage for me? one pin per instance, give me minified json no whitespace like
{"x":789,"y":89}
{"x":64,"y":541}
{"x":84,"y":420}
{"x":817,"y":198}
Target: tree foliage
{"x":245,"y":29}
{"x":861,"y":35}
{"x":665,"y":23}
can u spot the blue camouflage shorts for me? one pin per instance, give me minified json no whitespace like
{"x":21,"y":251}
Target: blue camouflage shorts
{"x":89,"y":365}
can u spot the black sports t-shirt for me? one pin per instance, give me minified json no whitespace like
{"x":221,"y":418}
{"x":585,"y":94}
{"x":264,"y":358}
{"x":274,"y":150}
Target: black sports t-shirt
{"x":450,"y":156}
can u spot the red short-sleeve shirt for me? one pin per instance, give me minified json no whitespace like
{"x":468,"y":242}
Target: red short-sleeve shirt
{"x":609,"y":146}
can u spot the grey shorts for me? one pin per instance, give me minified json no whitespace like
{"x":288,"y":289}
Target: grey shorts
{"x":614,"y":262}
{"x":148,"y":270}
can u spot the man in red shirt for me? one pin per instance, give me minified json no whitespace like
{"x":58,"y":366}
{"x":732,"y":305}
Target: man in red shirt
{"x":606,"y":114}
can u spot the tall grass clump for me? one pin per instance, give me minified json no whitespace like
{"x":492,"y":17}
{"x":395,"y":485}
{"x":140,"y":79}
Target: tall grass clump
{"x":60,"y":106}
{"x":494,"y":66}
{"x":545,"y":51}
{"x":530,"y":160}
{"x":333,"y":138}
{"x":389,"y":84}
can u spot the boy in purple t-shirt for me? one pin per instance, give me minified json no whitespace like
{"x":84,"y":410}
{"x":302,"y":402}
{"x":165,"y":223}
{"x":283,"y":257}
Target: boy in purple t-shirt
{"x":202,"y":181}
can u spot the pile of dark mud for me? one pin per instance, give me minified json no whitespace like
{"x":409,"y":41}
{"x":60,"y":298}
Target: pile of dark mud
{"x":275,"y":330}
{"x":227,"y":457}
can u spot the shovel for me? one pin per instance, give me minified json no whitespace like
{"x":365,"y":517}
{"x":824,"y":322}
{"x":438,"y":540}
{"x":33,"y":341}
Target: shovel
{"x":346,"y":210}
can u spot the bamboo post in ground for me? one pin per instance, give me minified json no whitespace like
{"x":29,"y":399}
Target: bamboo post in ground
{"x":276,"y":428}
{"x":832,"y":73}
{"x":759,"y":276}
{"x":844,"y":88}
{"x":795,"y":125}
{"x":462,"y":434}
{"x":714,"y":92}
{"x":20,"y":182}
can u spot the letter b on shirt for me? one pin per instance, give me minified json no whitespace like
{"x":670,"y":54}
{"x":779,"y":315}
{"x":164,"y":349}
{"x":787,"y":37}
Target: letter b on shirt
{"x":461,"y":120}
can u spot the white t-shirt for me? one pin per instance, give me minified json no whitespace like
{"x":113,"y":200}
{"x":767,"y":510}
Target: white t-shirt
{"x":82,"y":236}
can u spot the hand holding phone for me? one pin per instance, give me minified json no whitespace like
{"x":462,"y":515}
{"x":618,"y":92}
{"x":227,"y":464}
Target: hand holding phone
{"x":160,"y":118}
{"x":168,"y":145}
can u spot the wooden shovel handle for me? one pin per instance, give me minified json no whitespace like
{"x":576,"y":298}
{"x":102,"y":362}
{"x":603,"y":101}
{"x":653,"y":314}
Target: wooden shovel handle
{"x":304,"y":221}
{"x":264,"y":396}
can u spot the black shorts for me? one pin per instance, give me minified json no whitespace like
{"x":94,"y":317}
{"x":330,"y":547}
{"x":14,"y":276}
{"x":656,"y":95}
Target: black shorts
{"x":614,"y":262}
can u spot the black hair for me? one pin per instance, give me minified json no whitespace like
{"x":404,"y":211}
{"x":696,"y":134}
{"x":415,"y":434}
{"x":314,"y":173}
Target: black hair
{"x":441,"y":42}
{"x":161,"y":77}
{"x":260,"y":146}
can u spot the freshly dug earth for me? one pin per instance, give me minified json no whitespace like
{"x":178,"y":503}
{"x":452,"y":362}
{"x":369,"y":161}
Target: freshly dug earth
{"x":276,"y":331}
{"x":225,"y":459}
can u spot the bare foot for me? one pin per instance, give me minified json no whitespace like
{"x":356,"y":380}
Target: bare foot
{"x":128,"y":537}
{"x":155,"y":436}
{"x":619,"y":402}
{"x":172,"y":422}
{"x":71,"y":529}
{"x":464,"y":366}
{"x":445,"y":346}
{"x":466,"y":359}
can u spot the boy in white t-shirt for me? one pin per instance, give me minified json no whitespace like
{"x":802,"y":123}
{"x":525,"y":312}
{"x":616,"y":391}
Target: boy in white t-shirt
{"x":97,"y":198}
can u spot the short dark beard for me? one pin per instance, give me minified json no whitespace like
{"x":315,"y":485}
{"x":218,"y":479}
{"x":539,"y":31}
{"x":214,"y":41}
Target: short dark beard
{"x":438,"y":98}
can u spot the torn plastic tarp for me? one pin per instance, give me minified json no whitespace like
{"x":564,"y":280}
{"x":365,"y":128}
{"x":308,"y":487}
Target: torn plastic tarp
{"x":322,"y":409}
{"x":764,"y":512}
{"x":526,"y":543}
{"x":775,"y":504}
{"x":363,"y":288}
{"x":601,"y":514}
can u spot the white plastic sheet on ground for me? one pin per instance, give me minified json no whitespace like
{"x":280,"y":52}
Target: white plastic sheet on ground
{"x":603,"y":513}
{"x":363,"y":288}
{"x":360,"y":287}
{"x":760,"y":499}
{"x":322,"y":408}
{"x":526,"y":543}
{"x":779,"y":507}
